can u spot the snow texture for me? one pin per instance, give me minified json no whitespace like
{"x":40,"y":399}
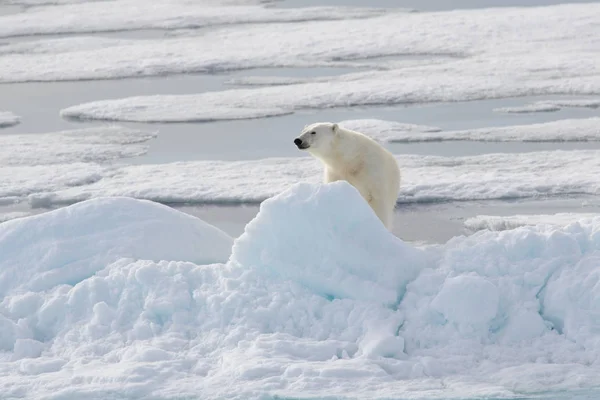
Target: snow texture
{"x":501,"y":223}
{"x":551,"y":105}
{"x":96,"y":144}
{"x":388,"y":131}
{"x":316,"y":300}
{"x":425,"y":179}
{"x":8,"y":119}
{"x":147,"y":109}
{"x":124,"y":15}
{"x":485,"y":59}
{"x":71,"y":244}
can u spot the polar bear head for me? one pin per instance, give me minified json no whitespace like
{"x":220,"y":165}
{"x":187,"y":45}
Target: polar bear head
{"x":317,"y":138}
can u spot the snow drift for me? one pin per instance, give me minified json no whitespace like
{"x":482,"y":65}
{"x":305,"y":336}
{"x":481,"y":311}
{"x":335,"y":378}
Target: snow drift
{"x":316,"y":299}
{"x":70,"y":244}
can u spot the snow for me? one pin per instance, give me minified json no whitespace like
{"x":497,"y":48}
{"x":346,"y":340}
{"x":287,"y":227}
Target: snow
{"x":7,"y":216}
{"x":425,"y":179}
{"x":585,"y":103}
{"x":124,"y":15}
{"x":316,"y":299}
{"x":488,"y":60}
{"x":530,"y":108}
{"x":565,"y":130}
{"x":71,"y":244}
{"x":551,"y":105}
{"x":467,"y":300}
{"x":146,"y":109}
{"x":501,"y":223}
{"x":388,"y":131}
{"x":8,"y":119}
{"x":95,"y":144}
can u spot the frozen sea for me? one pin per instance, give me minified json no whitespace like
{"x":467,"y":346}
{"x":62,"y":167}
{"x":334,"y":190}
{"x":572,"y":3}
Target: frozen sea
{"x":161,"y":236}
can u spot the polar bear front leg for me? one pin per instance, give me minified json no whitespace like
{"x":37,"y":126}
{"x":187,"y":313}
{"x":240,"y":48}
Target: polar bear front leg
{"x":330,"y":176}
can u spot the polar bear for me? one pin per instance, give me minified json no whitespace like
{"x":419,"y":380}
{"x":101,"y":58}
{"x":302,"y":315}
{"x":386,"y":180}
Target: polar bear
{"x":359,"y":160}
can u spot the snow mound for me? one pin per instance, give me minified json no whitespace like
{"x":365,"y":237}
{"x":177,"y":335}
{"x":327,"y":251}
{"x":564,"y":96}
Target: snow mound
{"x":502,"y":223}
{"x":8,"y":119}
{"x":338,"y":235}
{"x":68,"y":245}
{"x":96,"y":144}
{"x":316,"y":300}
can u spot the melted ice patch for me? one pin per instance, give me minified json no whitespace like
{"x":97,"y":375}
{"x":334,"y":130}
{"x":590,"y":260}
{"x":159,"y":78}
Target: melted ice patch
{"x":8,"y":119}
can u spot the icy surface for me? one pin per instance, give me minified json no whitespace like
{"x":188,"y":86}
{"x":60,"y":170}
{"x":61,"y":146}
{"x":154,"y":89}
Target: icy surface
{"x":8,"y":119}
{"x":317,"y":300}
{"x":501,"y":223}
{"x":425,"y":179}
{"x":478,"y":45}
{"x":529,"y":108}
{"x":389,"y":130}
{"x":549,"y":106}
{"x":71,"y":244}
{"x":159,"y":109}
{"x":125,"y":15}
{"x":97,"y":144}
{"x":566,"y":130}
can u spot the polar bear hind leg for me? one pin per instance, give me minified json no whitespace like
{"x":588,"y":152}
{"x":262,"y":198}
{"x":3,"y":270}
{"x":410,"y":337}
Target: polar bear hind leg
{"x":383,"y":212}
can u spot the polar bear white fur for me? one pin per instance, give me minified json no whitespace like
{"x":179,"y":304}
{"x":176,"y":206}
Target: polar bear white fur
{"x":359,"y":160}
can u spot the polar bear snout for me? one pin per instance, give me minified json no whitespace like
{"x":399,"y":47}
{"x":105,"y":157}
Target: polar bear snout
{"x":298,"y":142}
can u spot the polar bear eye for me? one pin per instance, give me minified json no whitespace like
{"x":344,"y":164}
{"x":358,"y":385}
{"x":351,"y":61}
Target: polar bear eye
{"x":313,"y":133}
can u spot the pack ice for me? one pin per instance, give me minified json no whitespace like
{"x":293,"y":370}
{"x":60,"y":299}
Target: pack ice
{"x":124,"y":298}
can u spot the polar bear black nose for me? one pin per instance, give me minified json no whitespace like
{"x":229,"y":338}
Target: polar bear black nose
{"x":298,"y":142}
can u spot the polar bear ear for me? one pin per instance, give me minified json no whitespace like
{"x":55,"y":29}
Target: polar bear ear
{"x":335,"y":127}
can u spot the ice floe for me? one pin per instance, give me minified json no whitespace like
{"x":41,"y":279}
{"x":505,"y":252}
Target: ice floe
{"x":96,"y":144}
{"x":487,"y":60}
{"x":108,"y":298}
{"x":425,"y":179}
{"x":550,"y":106}
{"x":124,"y":15}
{"x":566,"y":130}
